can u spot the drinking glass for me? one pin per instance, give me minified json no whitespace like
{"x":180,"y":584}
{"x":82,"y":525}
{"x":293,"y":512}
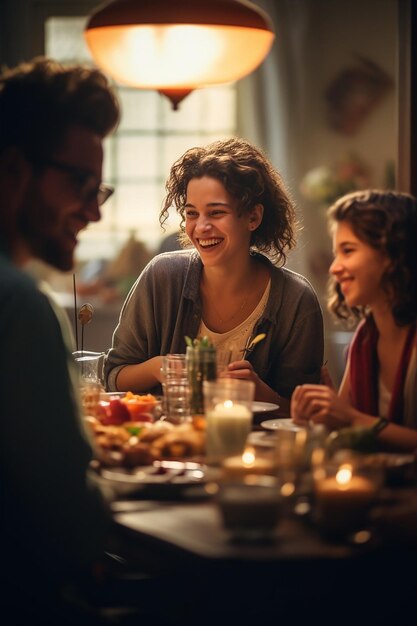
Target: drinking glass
{"x":90,"y":366}
{"x":90,"y":376}
{"x":175,"y":388}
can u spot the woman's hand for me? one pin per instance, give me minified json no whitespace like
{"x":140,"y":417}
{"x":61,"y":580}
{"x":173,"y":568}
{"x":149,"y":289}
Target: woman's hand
{"x":263,"y":393}
{"x":242,"y":370}
{"x":320,"y":404}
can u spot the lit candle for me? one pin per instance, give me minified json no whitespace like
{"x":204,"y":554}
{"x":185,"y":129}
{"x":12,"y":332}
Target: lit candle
{"x":228,"y":425}
{"x":237,"y":467}
{"x":344,"y":499}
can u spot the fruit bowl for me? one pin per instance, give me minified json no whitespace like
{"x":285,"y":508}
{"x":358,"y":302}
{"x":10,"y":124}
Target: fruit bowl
{"x":119,"y":407}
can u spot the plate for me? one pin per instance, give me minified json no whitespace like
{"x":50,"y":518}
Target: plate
{"x":263,"y":439}
{"x":264,"y":407}
{"x":281,"y":424}
{"x":398,"y":468}
{"x":159,"y":480}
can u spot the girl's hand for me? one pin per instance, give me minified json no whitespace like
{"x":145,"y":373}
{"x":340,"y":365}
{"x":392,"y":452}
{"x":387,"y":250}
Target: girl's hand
{"x":325,"y":378}
{"x":320,"y":404}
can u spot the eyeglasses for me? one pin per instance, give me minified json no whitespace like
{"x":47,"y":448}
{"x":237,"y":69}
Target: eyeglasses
{"x":85,"y":181}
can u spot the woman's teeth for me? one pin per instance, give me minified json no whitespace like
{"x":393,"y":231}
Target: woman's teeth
{"x":209,"y":242}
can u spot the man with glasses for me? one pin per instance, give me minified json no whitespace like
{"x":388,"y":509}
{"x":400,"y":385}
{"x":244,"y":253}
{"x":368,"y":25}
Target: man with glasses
{"x":54,"y":524}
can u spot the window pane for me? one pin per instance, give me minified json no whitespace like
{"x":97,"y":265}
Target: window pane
{"x":140,"y":109}
{"x":138,"y":157}
{"x":64,"y":40}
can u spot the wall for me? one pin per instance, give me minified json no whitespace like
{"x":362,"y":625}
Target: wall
{"x":283,"y":108}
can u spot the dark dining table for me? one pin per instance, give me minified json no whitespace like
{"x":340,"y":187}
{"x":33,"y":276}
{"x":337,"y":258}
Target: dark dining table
{"x":197,"y":573}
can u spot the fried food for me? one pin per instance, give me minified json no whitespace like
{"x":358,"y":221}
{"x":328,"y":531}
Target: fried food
{"x":139,"y":443}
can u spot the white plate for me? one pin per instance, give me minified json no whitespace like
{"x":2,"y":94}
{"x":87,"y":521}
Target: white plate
{"x":163,"y":477}
{"x":281,"y":424}
{"x":264,"y":407}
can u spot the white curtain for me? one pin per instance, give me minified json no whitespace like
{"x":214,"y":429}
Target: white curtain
{"x":272,"y":101}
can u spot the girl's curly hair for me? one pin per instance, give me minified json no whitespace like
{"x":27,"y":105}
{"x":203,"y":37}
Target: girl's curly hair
{"x":249,"y":177}
{"x":386,"y":221}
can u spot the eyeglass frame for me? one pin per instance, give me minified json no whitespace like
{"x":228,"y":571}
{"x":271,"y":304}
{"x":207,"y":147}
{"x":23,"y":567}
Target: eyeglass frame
{"x":80,"y":177}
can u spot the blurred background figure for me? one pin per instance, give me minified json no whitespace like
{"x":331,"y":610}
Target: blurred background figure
{"x":169,"y":243}
{"x":111,"y":281}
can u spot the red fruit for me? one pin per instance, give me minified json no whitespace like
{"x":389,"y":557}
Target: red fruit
{"x":142,"y":417}
{"x":117,"y":413}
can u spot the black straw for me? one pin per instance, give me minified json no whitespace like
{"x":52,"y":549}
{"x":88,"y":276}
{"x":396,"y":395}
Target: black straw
{"x":75,"y":312}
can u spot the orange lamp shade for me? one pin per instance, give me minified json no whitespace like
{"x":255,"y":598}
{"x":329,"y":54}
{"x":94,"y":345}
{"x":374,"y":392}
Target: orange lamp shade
{"x":178,"y":46}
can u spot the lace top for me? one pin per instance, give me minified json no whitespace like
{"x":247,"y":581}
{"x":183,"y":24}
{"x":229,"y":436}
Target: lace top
{"x":237,"y":338}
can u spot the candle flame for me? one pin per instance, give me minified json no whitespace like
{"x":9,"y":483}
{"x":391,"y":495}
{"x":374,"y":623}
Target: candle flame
{"x":344,"y":475}
{"x":248,"y":456}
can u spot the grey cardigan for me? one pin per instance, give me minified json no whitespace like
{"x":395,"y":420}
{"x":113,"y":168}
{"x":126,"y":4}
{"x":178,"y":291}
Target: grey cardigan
{"x":164,"y":306}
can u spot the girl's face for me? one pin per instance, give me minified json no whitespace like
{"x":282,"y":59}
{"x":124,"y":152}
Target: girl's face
{"x":358,"y":268}
{"x":212,"y":222}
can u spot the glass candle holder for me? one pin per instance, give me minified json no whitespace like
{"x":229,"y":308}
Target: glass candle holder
{"x":344,"y":494}
{"x":228,"y":411}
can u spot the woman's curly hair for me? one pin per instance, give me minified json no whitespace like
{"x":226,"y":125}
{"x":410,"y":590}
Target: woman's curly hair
{"x":386,"y":221}
{"x":248,"y":176}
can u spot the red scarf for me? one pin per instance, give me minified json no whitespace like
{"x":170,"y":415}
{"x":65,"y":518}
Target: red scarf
{"x":364,"y":371}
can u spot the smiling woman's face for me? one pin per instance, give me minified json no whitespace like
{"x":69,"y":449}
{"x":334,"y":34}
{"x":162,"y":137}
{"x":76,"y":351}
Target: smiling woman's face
{"x":358,"y":268}
{"x":212,"y":222}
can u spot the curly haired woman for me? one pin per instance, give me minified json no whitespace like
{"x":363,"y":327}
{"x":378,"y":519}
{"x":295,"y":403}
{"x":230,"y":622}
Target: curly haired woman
{"x":229,"y":284}
{"x":374,"y":280}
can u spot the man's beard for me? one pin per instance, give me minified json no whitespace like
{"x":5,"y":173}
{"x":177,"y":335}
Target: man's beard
{"x":36,"y":223}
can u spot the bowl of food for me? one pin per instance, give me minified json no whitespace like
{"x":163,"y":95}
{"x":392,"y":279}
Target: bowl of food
{"x":119,"y":407}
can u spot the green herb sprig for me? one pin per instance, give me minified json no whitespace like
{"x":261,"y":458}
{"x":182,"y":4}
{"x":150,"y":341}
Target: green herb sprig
{"x":199,"y":342}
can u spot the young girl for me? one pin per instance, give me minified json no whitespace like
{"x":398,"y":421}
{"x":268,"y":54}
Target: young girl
{"x":229,"y":284}
{"x":374,"y":279}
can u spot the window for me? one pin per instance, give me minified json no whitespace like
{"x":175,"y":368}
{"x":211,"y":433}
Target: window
{"x":151,"y":136}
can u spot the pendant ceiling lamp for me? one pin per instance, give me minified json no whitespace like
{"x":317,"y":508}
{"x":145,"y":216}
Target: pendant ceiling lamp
{"x":176,"y":46}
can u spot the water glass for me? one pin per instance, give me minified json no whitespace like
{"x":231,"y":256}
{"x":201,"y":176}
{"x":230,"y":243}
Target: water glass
{"x":173,"y":365}
{"x":90,"y":366}
{"x":90,"y":374}
{"x":175,"y":388}
{"x":177,"y":400}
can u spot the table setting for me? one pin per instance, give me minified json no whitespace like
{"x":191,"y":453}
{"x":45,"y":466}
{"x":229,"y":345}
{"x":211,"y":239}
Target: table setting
{"x":238,"y":481}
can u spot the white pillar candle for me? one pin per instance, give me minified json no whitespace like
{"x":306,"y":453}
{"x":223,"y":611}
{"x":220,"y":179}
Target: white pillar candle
{"x":228,"y":425}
